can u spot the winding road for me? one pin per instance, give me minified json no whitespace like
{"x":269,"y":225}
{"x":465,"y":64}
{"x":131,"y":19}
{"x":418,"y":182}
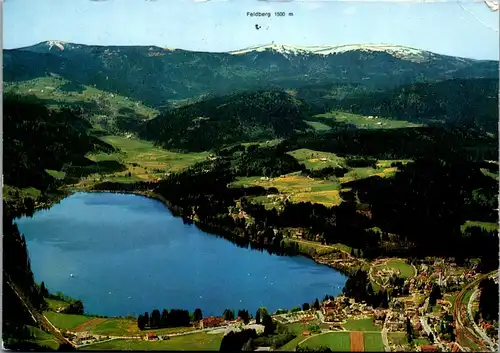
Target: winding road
{"x":462,"y":316}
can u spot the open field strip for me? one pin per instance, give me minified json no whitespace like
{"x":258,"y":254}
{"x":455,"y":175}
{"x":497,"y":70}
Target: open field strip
{"x":366,"y":122}
{"x":336,"y":341}
{"x":357,"y":341}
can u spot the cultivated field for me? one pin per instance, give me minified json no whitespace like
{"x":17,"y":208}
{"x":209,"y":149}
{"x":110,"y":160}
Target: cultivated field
{"x":297,"y":188}
{"x":373,"y":342}
{"x":357,"y":341}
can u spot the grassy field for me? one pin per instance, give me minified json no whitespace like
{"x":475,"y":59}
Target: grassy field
{"x":361,"y":325}
{"x":397,"y":338}
{"x":406,"y":271}
{"x":316,"y":248}
{"x":485,"y":225}
{"x":336,"y":341}
{"x":53,"y":90}
{"x":66,"y":321}
{"x":297,"y":328}
{"x":421,"y":341}
{"x":125,"y":327}
{"x":316,"y":159}
{"x":450,"y":298}
{"x":143,"y":160}
{"x":105,"y":326}
{"x":317,"y":125}
{"x":366,"y":122}
{"x":43,"y":338}
{"x":193,"y":342}
{"x":10,"y":192}
{"x":56,"y":304}
{"x":373,"y":342}
{"x":366,"y":172}
{"x":298,"y":188}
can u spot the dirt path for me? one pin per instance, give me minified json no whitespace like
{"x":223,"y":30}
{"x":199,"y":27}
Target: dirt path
{"x":82,"y":327}
{"x":357,"y":341}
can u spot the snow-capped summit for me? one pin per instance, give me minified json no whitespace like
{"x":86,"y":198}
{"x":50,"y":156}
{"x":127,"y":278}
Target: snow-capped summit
{"x":59,"y":44}
{"x":395,"y":50}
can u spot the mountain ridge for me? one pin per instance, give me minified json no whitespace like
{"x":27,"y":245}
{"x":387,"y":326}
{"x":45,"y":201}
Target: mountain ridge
{"x":280,"y":47}
{"x":157,"y":76}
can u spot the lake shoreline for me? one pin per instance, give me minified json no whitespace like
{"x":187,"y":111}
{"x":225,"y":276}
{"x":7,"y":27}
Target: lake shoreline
{"x":208,"y":228}
{"x":337,"y":280}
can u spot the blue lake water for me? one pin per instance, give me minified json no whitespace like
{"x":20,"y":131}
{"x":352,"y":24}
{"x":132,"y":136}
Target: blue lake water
{"x":128,"y":255}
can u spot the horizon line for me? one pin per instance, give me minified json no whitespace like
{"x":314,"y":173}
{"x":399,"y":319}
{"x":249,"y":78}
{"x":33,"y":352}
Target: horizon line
{"x":246,"y":48}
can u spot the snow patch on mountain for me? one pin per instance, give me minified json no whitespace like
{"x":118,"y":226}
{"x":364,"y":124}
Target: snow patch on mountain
{"x":394,"y":50}
{"x":57,"y":43}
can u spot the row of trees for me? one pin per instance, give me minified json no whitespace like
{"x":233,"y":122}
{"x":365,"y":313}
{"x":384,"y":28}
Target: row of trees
{"x":174,"y":318}
{"x":359,"y":287}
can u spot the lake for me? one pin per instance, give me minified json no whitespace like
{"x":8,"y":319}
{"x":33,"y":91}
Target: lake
{"x":126,"y":254}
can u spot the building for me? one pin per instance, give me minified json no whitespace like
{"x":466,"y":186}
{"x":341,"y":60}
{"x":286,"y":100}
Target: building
{"x":212,"y":321}
{"x":151,"y":336}
{"x":428,"y":349}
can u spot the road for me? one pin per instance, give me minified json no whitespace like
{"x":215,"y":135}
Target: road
{"x":385,"y":340}
{"x":491,"y":344}
{"x":458,"y":314}
{"x":427,"y":328}
{"x":35,"y":315}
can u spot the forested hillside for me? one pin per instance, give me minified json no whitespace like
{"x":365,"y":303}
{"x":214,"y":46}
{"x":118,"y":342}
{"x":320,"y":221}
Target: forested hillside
{"x":250,"y":116}
{"x":35,"y":139}
{"x":472,"y":103}
{"x":157,"y":75}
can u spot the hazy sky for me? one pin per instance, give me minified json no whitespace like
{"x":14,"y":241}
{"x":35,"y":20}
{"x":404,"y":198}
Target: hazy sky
{"x":464,"y":29}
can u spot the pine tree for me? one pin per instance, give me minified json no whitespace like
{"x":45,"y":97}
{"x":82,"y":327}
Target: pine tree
{"x":316,"y":304}
{"x":141,"y":322}
{"x":164,"y":318}
{"x":43,"y":290}
{"x":198,"y":315}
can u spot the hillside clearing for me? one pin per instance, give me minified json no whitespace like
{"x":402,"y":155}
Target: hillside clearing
{"x":366,"y":122}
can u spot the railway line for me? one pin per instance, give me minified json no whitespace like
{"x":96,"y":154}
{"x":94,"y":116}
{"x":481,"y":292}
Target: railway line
{"x":463,"y":326}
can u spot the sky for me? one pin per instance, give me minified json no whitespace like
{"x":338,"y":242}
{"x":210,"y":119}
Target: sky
{"x":467,"y":28}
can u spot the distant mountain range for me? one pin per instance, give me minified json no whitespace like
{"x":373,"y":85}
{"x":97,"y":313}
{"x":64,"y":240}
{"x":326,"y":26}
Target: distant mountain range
{"x":160,"y":76}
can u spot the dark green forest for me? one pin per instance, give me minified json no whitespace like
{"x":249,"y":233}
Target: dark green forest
{"x":35,"y":139}
{"x":250,"y":116}
{"x":156,"y":75}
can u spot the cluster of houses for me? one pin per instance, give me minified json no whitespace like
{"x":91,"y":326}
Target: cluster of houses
{"x":211,"y":321}
{"x":342,"y":308}
{"x":83,"y":338}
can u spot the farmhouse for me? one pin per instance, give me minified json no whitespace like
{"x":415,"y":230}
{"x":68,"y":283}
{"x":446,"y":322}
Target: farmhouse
{"x":151,"y":336}
{"x":212,"y":321}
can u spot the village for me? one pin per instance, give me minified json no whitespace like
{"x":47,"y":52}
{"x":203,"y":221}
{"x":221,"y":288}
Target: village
{"x":416,"y":320}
